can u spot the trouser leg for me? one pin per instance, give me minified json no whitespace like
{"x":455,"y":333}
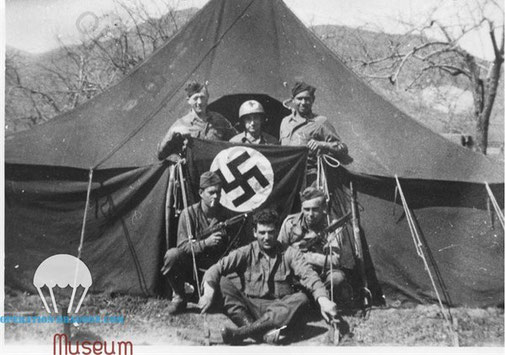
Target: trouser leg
{"x":342,"y":291}
{"x":273,"y":315}
{"x":235,"y":304}
{"x":281,"y":312}
{"x":175,"y":269}
{"x":336,"y":275}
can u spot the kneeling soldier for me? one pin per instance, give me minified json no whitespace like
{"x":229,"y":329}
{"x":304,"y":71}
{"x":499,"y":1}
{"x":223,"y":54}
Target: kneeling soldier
{"x":300,"y":229}
{"x":198,"y":218}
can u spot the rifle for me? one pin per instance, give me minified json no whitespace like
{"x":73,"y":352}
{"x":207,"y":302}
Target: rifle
{"x":221,"y":226}
{"x":320,"y":238}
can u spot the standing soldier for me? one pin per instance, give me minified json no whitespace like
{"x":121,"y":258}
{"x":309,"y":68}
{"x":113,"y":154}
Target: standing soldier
{"x":253,"y":115}
{"x":269,"y":301}
{"x":193,"y":221}
{"x":303,"y":127}
{"x":198,"y":123}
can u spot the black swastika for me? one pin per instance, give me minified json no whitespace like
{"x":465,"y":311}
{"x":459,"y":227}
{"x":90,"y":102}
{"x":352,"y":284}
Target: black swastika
{"x":241,"y":180}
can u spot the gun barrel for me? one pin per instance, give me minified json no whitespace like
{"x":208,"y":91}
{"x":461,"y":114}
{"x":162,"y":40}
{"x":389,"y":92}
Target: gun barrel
{"x":235,"y":219}
{"x":222,"y":225}
{"x":339,"y":222}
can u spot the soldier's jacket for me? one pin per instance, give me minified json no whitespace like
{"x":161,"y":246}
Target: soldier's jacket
{"x":294,"y":229}
{"x":194,"y":218}
{"x":296,"y":130}
{"x":268,"y":277}
{"x":265,"y":138}
{"x":217,"y":127}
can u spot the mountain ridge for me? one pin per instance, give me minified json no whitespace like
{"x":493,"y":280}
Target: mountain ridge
{"x":352,"y":45}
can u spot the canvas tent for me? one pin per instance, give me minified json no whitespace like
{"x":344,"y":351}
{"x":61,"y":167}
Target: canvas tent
{"x":246,"y":48}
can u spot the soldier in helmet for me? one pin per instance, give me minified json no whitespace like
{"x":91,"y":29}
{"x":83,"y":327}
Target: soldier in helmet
{"x":253,"y":116}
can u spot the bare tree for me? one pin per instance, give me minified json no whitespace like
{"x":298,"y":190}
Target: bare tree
{"x":110,"y":47}
{"x":26,"y":104}
{"x":126,"y":37}
{"x":437,"y":51}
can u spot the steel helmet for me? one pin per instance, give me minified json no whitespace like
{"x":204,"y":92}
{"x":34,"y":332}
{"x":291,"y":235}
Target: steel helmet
{"x":251,"y":106}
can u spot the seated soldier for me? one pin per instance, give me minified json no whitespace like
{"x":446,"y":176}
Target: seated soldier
{"x":198,"y":123}
{"x":301,"y":231}
{"x":269,"y":301}
{"x":193,"y":221}
{"x":253,"y":115}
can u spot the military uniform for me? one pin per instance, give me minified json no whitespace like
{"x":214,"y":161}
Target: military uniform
{"x":297,"y":130}
{"x":265,"y":138}
{"x":269,"y":283}
{"x":293,"y":231}
{"x":178,"y":261}
{"x":216,"y":127}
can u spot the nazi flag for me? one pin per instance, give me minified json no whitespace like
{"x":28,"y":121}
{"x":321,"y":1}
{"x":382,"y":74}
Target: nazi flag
{"x":253,"y":176}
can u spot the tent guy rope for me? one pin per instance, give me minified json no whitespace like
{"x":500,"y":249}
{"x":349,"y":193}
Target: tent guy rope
{"x":81,"y":244}
{"x":418,"y":244}
{"x":496,"y":207}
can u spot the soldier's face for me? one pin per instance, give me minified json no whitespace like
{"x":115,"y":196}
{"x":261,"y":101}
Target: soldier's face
{"x":210,"y":195}
{"x":303,"y":103}
{"x":253,"y":123}
{"x":313,"y":211}
{"x":265,"y":234}
{"x":198,"y":102}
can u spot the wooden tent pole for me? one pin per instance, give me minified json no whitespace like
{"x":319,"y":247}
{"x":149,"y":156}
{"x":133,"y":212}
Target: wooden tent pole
{"x":168,"y":201}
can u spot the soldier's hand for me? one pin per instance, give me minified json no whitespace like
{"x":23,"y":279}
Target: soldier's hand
{"x":207,"y":297}
{"x":310,"y":235}
{"x":313,"y":145}
{"x":317,"y":146}
{"x":335,"y":258}
{"x":214,"y":239}
{"x":328,"y":308}
{"x":301,"y":245}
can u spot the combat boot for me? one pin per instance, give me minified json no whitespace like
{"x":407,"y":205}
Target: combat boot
{"x":242,"y":318}
{"x":256,"y":330}
{"x":177,"y":305}
{"x":179,"y":302}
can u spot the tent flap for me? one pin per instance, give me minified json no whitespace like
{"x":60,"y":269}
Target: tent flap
{"x":123,"y":243}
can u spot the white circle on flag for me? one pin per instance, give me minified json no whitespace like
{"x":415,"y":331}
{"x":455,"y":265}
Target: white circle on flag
{"x":248,"y":178}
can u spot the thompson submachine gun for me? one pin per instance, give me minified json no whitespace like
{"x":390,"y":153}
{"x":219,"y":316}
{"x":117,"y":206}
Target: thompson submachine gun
{"x":221,"y":226}
{"x":321,"y":238}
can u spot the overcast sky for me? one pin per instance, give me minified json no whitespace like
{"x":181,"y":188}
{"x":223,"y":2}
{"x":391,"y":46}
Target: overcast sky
{"x":34,"y":25}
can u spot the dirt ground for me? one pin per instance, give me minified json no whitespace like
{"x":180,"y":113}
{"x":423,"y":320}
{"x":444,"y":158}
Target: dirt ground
{"x":148,"y":323}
